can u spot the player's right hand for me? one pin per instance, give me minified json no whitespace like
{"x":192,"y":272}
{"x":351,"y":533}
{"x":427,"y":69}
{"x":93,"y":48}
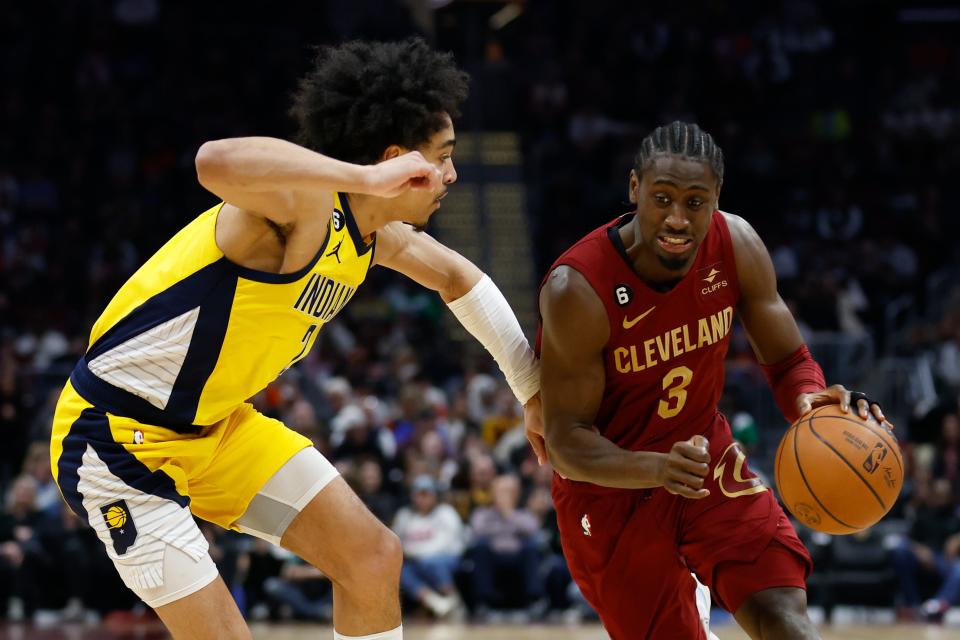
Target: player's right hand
{"x":390,"y":178}
{"x":685,"y":467}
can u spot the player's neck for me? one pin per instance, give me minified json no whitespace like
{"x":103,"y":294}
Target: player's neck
{"x":369,"y":212}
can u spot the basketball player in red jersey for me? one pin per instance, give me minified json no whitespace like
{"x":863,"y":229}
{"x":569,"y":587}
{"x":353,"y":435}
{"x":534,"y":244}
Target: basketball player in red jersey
{"x":636,"y":319}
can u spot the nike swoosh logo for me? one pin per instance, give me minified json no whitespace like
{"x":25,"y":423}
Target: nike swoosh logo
{"x":628,"y":324}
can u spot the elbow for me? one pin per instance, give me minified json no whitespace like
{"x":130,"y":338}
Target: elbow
{"x":461,"y":278}
{"x":563,"y":463}
{"x":210,"y":162}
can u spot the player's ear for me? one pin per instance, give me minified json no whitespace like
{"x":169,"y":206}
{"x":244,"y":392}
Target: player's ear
{"x":391,"y":152}
{"x":634,"y":186}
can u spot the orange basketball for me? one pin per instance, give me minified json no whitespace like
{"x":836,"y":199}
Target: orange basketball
{"x":837,"y":473}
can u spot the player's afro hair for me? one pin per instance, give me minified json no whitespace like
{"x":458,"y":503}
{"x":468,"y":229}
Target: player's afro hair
{"x":361,"y":97}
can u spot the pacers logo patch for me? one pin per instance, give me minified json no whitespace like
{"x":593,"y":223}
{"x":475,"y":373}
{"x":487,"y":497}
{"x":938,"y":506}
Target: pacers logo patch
{"x":120,"y":525}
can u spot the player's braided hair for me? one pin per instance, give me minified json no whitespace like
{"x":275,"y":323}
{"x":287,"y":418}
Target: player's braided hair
{"x":684,"y":139}
{"x":361,"y":97}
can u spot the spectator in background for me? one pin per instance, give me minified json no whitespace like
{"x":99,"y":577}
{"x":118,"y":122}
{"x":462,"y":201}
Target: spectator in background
{"x":948,"y":353}
{"x":506,"y":553}
{"x":76,"y":561}
{"x":369,"y":487}
{"x":432,"y":537}
{"x":504,"y":416}
{"x":557,"y":579}
{"x":300,"y":591}
{"x":475,"y":490}
{"x":354,"y":437}
{"x":57,"y":271}
{"x":946,"y":462}
{"x":37,"y":466}
{"x":932,"y":548}
{"x":258,"y":562}
{"x":23,"y":561}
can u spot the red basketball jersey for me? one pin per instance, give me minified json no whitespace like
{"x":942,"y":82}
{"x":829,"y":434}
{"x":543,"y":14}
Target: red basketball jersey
{"x":664,"y":358}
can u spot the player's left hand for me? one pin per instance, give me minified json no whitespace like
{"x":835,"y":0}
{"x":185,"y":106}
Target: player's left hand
{"x":533,"y":425}
{"x":838,"y":394}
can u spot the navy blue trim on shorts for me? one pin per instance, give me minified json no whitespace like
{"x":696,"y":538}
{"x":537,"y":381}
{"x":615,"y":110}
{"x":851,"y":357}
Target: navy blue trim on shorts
{"x":122,"y":403}
{"x":93,"y":428}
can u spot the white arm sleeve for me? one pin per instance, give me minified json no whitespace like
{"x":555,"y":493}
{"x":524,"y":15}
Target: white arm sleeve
{"x":485,"y":313}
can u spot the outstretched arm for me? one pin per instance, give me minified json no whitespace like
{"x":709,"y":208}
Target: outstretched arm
{"x":796,"y":379}
{"x":478,"y":305}
{"x":575,"y":331}
{"x":283,"y":182}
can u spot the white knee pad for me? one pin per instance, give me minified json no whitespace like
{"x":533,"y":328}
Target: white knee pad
{"x":182,"y":576}
{"x":285,"y":495}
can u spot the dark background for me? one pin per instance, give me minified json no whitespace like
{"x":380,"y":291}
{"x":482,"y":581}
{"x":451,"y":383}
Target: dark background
{"x":840,"y":122}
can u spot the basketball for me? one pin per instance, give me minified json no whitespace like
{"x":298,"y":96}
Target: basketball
{"x":837,"y":473}
{"x":115,"y":517}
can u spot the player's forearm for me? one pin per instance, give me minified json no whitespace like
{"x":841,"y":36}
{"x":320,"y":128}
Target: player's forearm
{"x":584,"y":455}
{"x":259,"y":164}
{"x":485,"y":313}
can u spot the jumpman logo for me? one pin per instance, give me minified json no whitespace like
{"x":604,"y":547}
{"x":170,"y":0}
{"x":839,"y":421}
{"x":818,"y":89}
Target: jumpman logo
{"x":335,"y":252}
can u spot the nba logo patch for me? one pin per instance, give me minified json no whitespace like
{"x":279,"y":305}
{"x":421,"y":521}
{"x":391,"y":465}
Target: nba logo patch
{"x":120,"y":525}
{"x":872,"y":463}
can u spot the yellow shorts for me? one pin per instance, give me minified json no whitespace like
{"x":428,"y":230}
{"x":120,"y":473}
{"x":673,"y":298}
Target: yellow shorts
{"x":217,"y":472}
{"x":139,"y":486}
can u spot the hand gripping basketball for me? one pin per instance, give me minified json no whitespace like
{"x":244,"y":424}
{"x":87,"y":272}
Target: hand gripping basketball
{"x":685,"y":467}
{"x":847,"y":399}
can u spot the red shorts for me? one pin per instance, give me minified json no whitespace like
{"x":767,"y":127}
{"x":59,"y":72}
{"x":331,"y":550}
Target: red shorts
{"x":632,"y":551}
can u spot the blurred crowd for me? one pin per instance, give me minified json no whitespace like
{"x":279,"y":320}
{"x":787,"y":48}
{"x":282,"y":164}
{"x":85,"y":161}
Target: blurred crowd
{"x":840,"y":146}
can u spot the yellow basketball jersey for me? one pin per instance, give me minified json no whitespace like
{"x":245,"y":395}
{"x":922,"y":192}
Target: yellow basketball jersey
{"x":192,"y":335}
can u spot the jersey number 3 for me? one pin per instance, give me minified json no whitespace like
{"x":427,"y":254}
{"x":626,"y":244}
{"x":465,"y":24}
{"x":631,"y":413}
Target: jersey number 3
{"x":675,"y":384}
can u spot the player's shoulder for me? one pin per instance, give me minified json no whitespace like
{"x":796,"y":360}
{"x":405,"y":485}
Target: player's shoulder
{"x":574,"y":318}
{"x":736,"y":224}
{"x":565,"y":284}
{"x":568,"y":295}
{"x":743,"y":236}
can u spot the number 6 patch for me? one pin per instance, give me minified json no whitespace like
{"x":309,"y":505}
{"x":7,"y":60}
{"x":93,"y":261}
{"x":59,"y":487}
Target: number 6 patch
{"x":623,"y":294}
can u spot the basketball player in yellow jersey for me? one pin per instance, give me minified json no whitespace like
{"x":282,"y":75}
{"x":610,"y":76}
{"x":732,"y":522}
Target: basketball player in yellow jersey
{"x":153,"y":427}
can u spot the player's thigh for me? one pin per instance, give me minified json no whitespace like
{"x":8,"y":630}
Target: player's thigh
{"x":726,"y":537}
{"x":135,"y":510}
{"x":336,"y":533}
{"x":251,"y":451}
{"x":758,"y":588}
{"x":613,"y":545}
{"x":268,"y":481}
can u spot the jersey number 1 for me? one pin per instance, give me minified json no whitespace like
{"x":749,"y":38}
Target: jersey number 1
{"x":306,"y":345}
{"x":675,"y":383}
